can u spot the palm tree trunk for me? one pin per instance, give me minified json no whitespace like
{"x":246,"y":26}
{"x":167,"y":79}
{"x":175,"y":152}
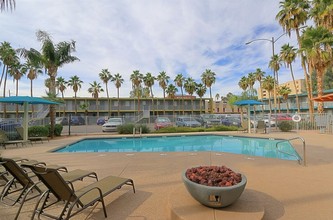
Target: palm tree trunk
{"x":3,"y":73}
{"x":270,"y":103}
{"x":107,"y":95}
{"x":200,"y":104}
{"x":192,"y":104}
{"x":164,"y":101}
{"x":211,"y":100}
{"x":75,"y":105}
{"x":320,"y":74}
{"x":152,"y":100}
{"x":97,"y":107}
{"x":287,"y":104}
{"x":31,"y":94}
{"x":16,"y":95}
{"x":4,"y":93}
{"x":181,"y":88}
{"x":118,"y":102}
{"x":64,"y":106}
{"x":296,"y":93}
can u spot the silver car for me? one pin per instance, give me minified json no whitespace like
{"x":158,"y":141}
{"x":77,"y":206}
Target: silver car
{"x":112,"y":124}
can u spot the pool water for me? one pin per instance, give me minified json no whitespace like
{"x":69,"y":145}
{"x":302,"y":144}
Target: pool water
{"x":192,"y":143}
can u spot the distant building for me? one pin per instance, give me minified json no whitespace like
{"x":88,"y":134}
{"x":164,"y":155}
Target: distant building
{"x":300,"y":88}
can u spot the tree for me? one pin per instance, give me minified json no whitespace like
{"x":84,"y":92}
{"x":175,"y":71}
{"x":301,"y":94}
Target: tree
{"x":259,"y":75}
{"x":251,"y":79}
{"x":190,"y":86}
{"x":284,"y":91}
{"x":53,"y":57}
{"x":163,"y":81}
{"x":61,"y":85}
{"x":292,"y":16}
{"x":75,"y":83}
{"x":136,"y":78}
{"x":171,"y":91}
{"x":95,"y":88}
{"x":275,"y":64}
{"x":118,"y":81}
{"x":201,"y":91}
{"x":208,"y":79}
{"x":217,"y":97}
{"x":106,"y":77}
{"x":5,"y":4}
{"x":288,"y":55}
{"x":243,"y":83}
{"x":268,"y":85}
{"x":317,"y":45}
{"x":149,"y":80}
{"x":179,"y":80}
{"x":17,"y":70}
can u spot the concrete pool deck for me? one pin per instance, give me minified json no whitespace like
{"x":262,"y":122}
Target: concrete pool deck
{"x":276,"y":189}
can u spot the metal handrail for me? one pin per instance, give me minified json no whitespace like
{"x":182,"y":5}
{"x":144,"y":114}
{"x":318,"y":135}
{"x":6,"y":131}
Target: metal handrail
{"x":290,"y":139}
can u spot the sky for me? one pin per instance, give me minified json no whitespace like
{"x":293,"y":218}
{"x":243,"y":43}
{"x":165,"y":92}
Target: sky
{"x":175,"y":36}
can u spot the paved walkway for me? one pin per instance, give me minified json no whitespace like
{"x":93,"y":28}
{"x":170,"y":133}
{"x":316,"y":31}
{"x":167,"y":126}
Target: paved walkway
{"x":284,"y":189}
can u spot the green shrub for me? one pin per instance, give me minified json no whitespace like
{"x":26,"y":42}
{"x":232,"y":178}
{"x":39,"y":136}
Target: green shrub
{"x":38,"y":131}
{"x":57,"y":129}
{"x":285,"y":126}
{"x":200,"y":129}
{"x":125,"y":129}
{"x":144,"y":129}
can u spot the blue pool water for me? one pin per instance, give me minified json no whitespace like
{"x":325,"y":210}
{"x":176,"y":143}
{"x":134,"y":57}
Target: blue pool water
{"x":192,"y":143}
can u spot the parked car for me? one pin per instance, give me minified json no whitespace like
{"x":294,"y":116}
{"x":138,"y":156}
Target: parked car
{"x":77,"y":120}
{"x":184,"y":121}
{"x":162,"y":122}
{"x":101,"y":121}
{"x":112,"y":124}
{"x":61,"y":120}
{"x":231,"y":121}
{"x":209,"y":120}
{"x":9,"y":125}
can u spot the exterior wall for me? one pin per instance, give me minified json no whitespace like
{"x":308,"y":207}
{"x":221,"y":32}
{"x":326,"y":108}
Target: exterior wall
{"x":300,"y":88}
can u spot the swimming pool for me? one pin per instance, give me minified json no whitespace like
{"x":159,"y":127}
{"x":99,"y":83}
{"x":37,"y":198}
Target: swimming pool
{"x":191,"y":143}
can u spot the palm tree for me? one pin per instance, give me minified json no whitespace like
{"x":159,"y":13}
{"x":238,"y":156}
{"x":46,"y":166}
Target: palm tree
{"x":75,"y":83}
{"x":136,"y":78}
{"x":217,"y":97}
{"x":149,"y":80}
{"x":259,"y":75}
{"x":163,"y":81}
{"x":118,"y":80}
{"x":292,"y":16}
{"x":106,"y":77}
{"x":251,"y":79}
{"x":17,"y":70}
{"x":5,"y":4}
{"x":95,"y":89}
{"x":208,"y":79}
{"x":179,"y":80}
{"x":61,"y":85}
{"x":190,"y":86}
{"x":314,"y":44}
{"x":243,"y":83}
{"x":171,"y":91}
{"x":321,"y":13}
{"x":284,"y":91}
{"x":275,"y":64}
{"x":288,"y":55}
{"x":54,"y":56}
{"x":201,"y":91}
{"x":268,"y":85}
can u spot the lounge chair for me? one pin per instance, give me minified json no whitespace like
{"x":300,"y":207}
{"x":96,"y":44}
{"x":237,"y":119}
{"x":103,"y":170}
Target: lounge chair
{"x":261,"y":127}
{"x":244,"y":126}
{"x":19,"y":194}
{"x":35,"y":139}
{"x":4,"y":140}
{"x":81,"y":198}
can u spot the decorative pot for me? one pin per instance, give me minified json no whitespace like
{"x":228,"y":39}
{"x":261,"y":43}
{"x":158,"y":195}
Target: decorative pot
{"x":214,"y":196}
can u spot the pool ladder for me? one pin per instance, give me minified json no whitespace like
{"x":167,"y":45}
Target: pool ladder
{"x":300,"y":159}
{"x":134,"y":132}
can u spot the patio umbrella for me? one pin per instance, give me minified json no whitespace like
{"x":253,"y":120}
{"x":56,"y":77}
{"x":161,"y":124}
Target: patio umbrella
{"x":324,"y":98}
{"x":248,"y":103}
{"x":25,"y":101}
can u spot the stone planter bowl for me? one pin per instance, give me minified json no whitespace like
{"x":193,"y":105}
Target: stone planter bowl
{"x":213,"y":196}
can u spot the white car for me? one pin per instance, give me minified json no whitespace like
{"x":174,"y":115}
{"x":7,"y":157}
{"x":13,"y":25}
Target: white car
{"x":112,"y":124}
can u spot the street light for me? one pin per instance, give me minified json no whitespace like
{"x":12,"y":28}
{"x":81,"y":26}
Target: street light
{"x":273,"y":40}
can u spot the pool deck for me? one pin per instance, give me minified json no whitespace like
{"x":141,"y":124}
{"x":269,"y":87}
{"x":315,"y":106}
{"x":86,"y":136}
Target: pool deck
{"x":276,"y":189}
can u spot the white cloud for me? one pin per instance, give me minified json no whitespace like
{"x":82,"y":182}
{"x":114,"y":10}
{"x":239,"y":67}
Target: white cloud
{"x":186,"y":36}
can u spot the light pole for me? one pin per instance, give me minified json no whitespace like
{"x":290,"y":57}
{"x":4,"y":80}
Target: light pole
{"x":273,"y":40}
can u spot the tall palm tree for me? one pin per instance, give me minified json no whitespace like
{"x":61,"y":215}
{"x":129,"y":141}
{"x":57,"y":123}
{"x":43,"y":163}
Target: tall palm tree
{"x":315,"y":42}
{"x":284,"y":91}
{"x":95,"y":88}
{"x":288,"y":55}
{"x":208,"y":79}
{"x":163,"y":81}
{"x":118,"y":81}
{"x":251,"y":79}
{"x":106,"y":77}
{"x":7,"y":4}
{"x":275,"y":64}
{"x":149,"y":80}
{"x":75,"y":82}
{"x":259,"y":75}
{"x":190,"y":86}
{"x":322,"y":13}
{"x":53,"y":57}
{"x":201,"y":91}
{"x":61,"y":85}
{"x":17,"y":70}
{"x":243,"y":83}
{"x":171,"y":90}
{"x":179,"y":80}
{"x":268,"y":85}
{"x":217,"y":97}
{"x":136,"y":78}
{"x":292,"y":16}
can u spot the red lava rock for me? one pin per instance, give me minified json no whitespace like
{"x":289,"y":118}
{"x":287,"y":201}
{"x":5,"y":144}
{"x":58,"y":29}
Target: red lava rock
{"x":220,"y":176}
